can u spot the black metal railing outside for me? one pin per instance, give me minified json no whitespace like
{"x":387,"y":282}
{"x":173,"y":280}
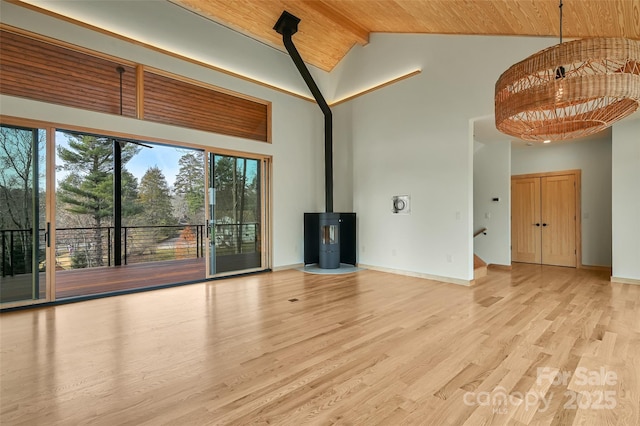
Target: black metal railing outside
{"x":16,"y":250}
{"x":235,"y":238}
{"x":93,"y":247}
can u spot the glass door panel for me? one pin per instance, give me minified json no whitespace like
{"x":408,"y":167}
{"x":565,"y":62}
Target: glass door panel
{"x":234,"y":214}
{"x":116,"y":214}
{"x":23,"y":225}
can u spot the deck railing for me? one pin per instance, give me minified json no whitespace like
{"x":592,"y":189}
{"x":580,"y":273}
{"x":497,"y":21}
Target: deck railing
{"x":92,"y":247}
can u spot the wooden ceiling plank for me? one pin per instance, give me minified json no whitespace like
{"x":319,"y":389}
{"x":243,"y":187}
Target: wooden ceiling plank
{"x":360,"y":33}
{"x":330,"y":28}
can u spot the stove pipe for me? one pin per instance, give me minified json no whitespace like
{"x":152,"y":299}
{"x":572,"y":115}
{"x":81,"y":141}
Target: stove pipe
{"x":287,"y":25}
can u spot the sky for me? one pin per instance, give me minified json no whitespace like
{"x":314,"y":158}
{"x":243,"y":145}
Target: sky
{"x":164,"y":157}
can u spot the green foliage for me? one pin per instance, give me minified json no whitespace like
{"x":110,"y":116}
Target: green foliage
{"x":79,"y":259}
{"x":88,"y":189}
{"x":155,"y":200}
{"x":237,"y":199}
{"x":18,"y":261}
{"x":129,"y":194}
{"x":88,"y":153}
{"x":236,"y":182}
{"x":190,"y":184}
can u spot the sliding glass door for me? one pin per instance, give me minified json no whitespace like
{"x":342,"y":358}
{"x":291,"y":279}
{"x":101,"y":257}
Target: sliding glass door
{"x":84,"y":214}
{"x":130,"y":214}
{"x":24,"y":230}
{"x":235,"y":214}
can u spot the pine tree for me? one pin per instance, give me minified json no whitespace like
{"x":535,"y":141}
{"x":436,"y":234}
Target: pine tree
{"x":88,"y":189}
{"x":155,"y":200}
{"x":190,"y":184}
{"x":129,"y":194}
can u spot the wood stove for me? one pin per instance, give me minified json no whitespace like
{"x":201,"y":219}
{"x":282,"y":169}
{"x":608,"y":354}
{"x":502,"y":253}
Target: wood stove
{"x":329,"y":238}
{"x":345,"y":234}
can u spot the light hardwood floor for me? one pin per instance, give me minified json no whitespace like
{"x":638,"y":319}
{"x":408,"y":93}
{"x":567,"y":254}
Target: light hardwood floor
{"x":366,"y":348}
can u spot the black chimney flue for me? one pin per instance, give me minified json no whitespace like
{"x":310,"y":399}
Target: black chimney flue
{"x":287,"y":25}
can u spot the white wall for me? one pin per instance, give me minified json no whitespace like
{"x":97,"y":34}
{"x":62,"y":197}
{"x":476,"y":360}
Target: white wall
{"x":491,"y":179}
{"x":593,"y":157}
{"x":626,"y":200}
{"x":414,"y":137}
{"x":297,"y":148}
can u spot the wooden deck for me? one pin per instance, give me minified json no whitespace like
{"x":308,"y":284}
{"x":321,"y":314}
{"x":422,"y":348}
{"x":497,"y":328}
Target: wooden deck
{"x":90,"y":281}
{"x":83,"y":282}
{"x":19,"y":287}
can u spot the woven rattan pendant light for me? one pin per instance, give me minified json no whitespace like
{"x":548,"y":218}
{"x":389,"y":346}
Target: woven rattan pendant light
{"x":570,"y":90}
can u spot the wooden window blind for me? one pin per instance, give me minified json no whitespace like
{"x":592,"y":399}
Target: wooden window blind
{"x":181,"y":103}
{"x":35,"y":69}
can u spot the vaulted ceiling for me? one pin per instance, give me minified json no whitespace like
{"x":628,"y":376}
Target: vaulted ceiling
{"x":329,"y":28}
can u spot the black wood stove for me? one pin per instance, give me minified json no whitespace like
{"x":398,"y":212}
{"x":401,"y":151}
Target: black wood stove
{"x":329,"y":238}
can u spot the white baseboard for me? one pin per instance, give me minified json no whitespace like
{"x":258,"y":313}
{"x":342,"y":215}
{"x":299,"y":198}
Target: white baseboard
{"x":596,"y":268}
{"x":499,"y":267}
{"x":625,"y":280}
{"x":449,"y":280}
{"x":285,"y":267}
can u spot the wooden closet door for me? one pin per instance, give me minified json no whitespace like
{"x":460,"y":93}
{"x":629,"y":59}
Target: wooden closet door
{"x":525,"y":220}
{"x":558,"y":195}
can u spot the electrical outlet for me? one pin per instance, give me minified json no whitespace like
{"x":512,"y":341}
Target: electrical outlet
{"x":449,"y":258}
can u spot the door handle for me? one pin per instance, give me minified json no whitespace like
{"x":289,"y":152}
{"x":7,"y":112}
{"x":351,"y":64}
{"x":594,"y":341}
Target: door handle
{"x":544,"y":224}
{"x":537,"y":224}
{"x":47,"y":234}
